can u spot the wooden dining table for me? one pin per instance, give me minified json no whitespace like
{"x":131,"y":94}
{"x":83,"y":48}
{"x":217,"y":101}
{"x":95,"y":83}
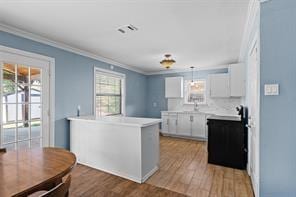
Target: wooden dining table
{"x":23,"y":172}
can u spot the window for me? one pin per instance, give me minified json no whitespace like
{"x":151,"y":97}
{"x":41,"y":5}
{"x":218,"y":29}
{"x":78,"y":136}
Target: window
{"x":109,"y":93}
{"x":195,"y":91}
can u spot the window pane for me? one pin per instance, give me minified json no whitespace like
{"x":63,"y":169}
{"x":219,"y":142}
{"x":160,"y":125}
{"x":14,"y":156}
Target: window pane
{"x":9,"y":72}
{"x":35,"y":111}
{"x":36,"y":143}
{"x":196,"y":91}
{"x":9,"y":113}
{"x":24,"y":145}
{"x":23,"y":93}
{"x":23,"y":112}
{"x":107,"y":105}
{"x":35,"y":95}
{"x":9,"y":146}
{"x":9,"y":133}
{"x":35,"y":76}
{"x":22,"y":74}
{"x":23,"y":130}
{"x":36,"y":128}
{"x":9,"y":92}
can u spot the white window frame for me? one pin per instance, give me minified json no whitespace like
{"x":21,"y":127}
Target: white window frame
{"x":28,"y":58}
{"x":186,"y":82}
{"x":123,"y":88}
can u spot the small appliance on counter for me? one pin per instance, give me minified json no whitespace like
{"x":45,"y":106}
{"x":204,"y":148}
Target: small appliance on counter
{"x":228,"y":139}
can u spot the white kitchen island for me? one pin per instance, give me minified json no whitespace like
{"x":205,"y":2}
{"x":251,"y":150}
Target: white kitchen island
{"x":124,"y":146}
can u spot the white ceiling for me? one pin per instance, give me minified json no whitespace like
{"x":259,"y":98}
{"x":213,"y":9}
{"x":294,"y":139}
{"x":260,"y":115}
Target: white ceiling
{"x":200,"y":33}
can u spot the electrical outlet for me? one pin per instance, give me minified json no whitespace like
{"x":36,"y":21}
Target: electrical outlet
{"x":271,"y":89}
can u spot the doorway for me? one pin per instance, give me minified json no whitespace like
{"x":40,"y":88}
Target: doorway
{"x":253,"y":101}
{"x":24,"y":100}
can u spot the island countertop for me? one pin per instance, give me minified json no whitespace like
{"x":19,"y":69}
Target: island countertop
{"x":119,"y":120}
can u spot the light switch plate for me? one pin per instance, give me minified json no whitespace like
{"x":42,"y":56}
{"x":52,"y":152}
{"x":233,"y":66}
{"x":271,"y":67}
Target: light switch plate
{"x":271,"y":89}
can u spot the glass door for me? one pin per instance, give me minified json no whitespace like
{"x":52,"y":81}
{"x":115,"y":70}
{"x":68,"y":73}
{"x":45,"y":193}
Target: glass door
{"x":23,"y":106}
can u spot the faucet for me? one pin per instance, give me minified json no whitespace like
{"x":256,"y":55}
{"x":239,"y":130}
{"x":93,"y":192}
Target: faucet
{"x":195,"y":105}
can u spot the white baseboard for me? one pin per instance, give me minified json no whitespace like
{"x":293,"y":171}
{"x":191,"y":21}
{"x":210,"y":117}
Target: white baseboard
{"x":184,"y":137}
{"x":123,"y":175}
{"x":149,"y":174}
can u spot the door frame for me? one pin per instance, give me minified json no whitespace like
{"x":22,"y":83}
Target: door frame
{"x":51,"y":71}
{"x":255,"y":178}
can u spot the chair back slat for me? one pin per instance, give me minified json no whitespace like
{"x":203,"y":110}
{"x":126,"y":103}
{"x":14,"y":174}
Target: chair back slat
{"x":61,"y":190}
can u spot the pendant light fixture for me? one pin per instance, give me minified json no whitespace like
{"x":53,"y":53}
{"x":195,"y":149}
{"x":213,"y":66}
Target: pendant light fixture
{"x":192,"y":82}
{"x":167,"y":62}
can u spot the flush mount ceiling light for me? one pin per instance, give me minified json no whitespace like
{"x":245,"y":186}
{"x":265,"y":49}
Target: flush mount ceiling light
{"x":167,"y":62}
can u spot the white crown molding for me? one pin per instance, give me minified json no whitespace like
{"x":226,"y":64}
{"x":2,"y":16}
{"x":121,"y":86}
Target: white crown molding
{"x":41,"y":39}
{"x":263,"y":1}
{"x":253,"y":9}
{"x":170,"y":71}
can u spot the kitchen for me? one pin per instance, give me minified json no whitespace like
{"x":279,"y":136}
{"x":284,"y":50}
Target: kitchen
{"x":148,"y":98}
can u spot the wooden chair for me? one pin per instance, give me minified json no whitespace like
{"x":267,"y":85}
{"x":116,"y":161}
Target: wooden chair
{"x":61,"y":190}
{"x":2,"y":150}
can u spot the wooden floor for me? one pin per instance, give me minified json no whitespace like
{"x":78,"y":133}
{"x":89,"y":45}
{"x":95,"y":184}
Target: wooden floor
{"x":184,"y":171}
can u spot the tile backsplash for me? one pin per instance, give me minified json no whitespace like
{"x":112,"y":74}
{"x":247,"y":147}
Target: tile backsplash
{"x":214,"y":105}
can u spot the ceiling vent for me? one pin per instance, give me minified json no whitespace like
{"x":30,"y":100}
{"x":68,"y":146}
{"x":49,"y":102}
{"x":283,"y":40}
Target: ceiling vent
{"x":127,"y":28}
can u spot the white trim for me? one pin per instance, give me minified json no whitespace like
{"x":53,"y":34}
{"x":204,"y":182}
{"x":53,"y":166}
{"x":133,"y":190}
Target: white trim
{"x":65,"y":47}
{"x":255,"y":178}
{"x":123,"y":88}
{"x":253,"y":9}
{"x":170,"y":71}
{"x":114,"y":172}
{"x":149,"y":174}
{"x":263,"y":1}
{"x":51,"y":63}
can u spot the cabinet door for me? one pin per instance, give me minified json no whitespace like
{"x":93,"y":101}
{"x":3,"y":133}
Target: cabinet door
{"x":184,"y":124}
{"x":174,"y":87}
{"x":165,"y":124}
{"x":199,"y":125}
{"x":237,"y":80}
{"x":173,"y":124}
{"x":217,"y":142}
{"x":219,"y":85}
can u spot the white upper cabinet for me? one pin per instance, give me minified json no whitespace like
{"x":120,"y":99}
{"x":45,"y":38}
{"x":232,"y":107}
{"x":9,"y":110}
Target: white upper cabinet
{"x":174,"y":87}
{"x":237,"y":80}
{"x":219,"y":85}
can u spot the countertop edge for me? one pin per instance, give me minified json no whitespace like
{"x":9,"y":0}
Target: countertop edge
{"x":155,"y":121}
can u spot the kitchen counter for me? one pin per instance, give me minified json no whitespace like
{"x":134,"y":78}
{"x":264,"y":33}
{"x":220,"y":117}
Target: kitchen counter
{"x":229,"y":118}
{"x":124,"y":146}
{"x":119,"y":120}
{"x":214,"y":113}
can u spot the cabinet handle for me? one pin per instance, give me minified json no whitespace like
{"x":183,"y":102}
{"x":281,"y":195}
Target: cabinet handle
{"x":167,"y":121}
{"x":176,"y":122}
{"x":191,"y":118}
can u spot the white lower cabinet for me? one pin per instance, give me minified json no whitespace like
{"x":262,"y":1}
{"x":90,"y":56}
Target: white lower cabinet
{"x":184,"y":124}
{"x":165,"y":124}
{"x":172,"y":123}
{"x":199,"y":125}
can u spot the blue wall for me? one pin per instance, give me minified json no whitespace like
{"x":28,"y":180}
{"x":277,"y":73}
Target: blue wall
{"x":278,"y":113}
{"x":74,"y":83}
{"x":156,"y":89}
